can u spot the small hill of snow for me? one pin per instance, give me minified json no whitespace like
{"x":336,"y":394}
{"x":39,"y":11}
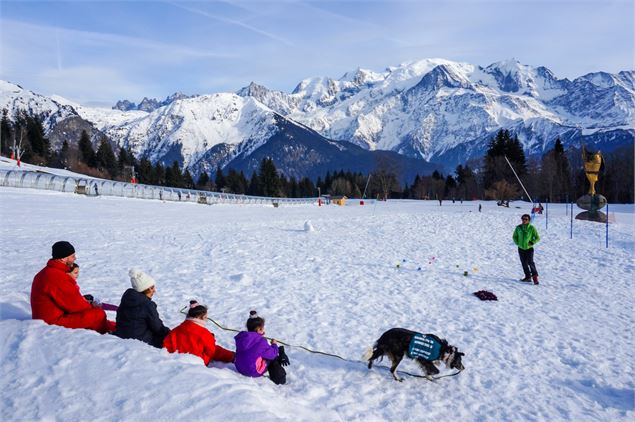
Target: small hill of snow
{"x":558,"y":351}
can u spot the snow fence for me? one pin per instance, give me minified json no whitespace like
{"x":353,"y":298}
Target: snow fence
{"x":97,"y":187}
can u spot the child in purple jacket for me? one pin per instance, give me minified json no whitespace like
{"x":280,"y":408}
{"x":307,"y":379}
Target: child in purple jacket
{"x":254,"y":355}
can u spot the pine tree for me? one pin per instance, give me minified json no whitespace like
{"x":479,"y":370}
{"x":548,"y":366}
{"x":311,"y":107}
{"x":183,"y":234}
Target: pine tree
{"x":6,"y":134}
{"x":219,"y":179}
{"x":63,"y":156}
{"x":496,"y":167}
{"x":188,"y":181}
{"x":254,"y":185}
{"x":436,"y":175}
{"x":467,"y":186}
{"x":235,"y":183}
{"x":86,"y":151}
{"x":516,"y":155}
{"x":554,"y":174}
{"x":203,"y":181}
{"x":39,"y":144}
{"x":284,"y":187}
{"x":159,"y":175}
{"x":268,"y":177}
{"x":146,"y":172}
{"x":306,"y":188}
{"x":244,"y":184}
{"x":125,"y":158}
{"x":173,"y":176}
{"x":294,"y":191}
{"x":563,"y":172}
{"x":327,"y":181}
{"x":105,"y":158}
{"x":319,"y":185}
{"x":127,"y":164}
{"x":450,"y":187}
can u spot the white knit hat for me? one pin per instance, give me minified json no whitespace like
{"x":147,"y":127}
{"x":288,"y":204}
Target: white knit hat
{"x":140,"y":281}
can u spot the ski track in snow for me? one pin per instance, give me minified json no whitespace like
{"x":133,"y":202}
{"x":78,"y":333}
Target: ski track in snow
{"x":559,"y":351}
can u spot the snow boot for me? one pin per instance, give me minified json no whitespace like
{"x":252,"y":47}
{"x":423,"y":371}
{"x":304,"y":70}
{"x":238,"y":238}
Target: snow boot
{"x":526,"y":279}
{"x":535,"y":278}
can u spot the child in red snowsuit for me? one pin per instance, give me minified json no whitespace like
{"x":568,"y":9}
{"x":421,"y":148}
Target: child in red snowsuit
{"x":192,"y":337}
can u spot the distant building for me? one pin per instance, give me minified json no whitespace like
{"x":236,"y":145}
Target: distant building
{"x":339,"y":200}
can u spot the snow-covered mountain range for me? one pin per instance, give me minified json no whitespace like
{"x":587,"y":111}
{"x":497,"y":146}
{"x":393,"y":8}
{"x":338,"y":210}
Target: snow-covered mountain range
{"x":434,"y":108}
{"x":429,"y":110}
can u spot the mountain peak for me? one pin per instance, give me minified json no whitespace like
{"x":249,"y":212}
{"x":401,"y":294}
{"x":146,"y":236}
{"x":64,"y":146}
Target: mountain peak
{"x":150,"y":104}
{"x":507,"y":66}
{"x":9,"y":86}
{"x":444,"y":75}
{"x":512,"y":76}
{"x":252,"y":90}
{"x":361,"y":76}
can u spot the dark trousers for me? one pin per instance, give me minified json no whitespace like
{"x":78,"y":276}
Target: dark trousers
{"x":527,"y":261}
{"x":277,"y":374}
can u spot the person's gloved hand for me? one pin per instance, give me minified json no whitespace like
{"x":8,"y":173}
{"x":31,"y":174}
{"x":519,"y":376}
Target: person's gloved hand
{"x":282,"y":356}
{"x":89,"y":298}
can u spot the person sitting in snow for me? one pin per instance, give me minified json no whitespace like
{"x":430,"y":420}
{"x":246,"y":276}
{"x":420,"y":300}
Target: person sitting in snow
{"x":137,"y":315}
{"x":254,"y":356}
{"x":73,"y":271}
{"x":56,"y":297}
{"x":192,"y":337}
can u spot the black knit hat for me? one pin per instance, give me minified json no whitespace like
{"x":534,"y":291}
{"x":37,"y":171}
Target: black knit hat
{"x":62,"y":249}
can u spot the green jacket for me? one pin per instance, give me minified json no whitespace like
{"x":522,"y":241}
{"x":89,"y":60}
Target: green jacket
{"x":525,"y":236}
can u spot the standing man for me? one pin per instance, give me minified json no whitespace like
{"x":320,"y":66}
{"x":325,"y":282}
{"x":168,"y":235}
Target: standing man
{"x":525,"y":237}
{"x":56,"y":299}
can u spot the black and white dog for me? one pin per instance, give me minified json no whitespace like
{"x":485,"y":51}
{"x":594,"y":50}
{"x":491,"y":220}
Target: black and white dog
{"x":425,"y":349}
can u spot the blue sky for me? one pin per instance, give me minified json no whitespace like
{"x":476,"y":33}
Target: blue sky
{"x":96,"y":52}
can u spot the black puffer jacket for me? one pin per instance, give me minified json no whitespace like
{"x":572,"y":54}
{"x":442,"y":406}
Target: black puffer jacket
{"x":137,"y":318}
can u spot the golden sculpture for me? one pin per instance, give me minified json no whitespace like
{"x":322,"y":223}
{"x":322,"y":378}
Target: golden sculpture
{"x":592,"y":164}
{"x":592,"y":202}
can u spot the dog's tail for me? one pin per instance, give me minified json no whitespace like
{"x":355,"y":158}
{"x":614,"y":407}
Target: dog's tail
{"x":367,"y":354}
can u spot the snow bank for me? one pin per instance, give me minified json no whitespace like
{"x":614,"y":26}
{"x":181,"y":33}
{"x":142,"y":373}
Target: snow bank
{"x":559,"y":351}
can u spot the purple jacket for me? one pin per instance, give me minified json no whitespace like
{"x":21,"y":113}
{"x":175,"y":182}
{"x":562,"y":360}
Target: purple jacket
{"x":252,"y":353}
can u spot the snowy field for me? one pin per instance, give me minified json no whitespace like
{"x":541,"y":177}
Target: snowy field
{"x":562,"y":350}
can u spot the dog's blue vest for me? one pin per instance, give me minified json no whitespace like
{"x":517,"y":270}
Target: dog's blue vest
{"x":424,"y":347}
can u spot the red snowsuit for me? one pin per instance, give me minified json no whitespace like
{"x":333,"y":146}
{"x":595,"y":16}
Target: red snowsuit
{"x":55,"y":298}
{"x":189,"y":337}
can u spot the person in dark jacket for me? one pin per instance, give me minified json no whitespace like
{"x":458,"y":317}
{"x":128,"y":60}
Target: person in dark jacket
{"x":137,"y":316}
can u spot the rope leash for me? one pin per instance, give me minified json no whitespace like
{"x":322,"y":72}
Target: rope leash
{"x":317,"y":352}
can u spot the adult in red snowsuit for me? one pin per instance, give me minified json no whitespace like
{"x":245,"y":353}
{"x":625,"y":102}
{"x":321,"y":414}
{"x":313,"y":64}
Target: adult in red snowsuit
{"x":56,"y":299}
{"x":192,"y":337}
